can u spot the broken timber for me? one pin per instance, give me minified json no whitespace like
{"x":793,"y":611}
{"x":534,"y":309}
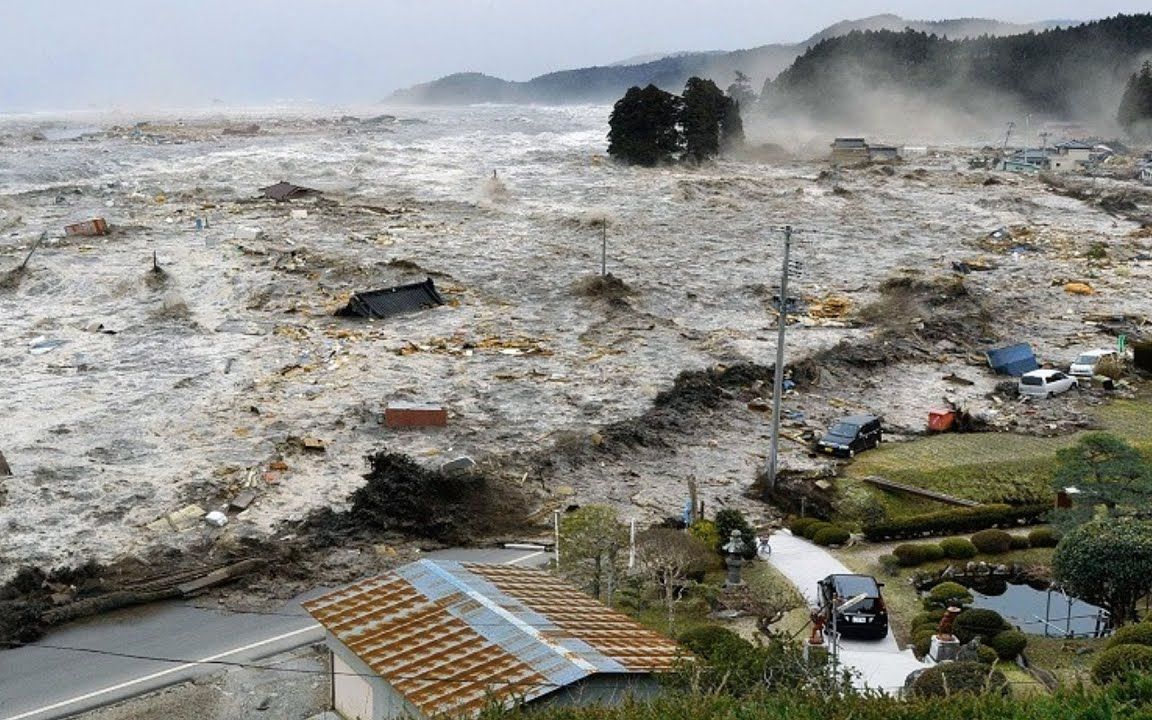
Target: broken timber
{"x":912,"y":490}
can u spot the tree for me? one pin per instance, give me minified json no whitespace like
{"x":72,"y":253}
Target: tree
{"x":669,"y":557}
{"x":704,"y":105}
{"x":590,"y":542}
{"x":741,"y":90}
{"x":730,"y":519}
{"x":1135,"y":114}
{"x":1107,"y":471}
{"x":642,"y":126}
{"x":1107,"y":563}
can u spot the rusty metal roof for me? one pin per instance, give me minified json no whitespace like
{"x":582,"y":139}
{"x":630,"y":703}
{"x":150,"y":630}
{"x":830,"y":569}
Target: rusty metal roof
{"x":452,"y":637}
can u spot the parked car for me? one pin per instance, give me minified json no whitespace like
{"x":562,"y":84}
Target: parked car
{"x":1044,"y":383}
{"x":852,"y":435}
{"x":1085,"y":364}
{"x":867,"y":618}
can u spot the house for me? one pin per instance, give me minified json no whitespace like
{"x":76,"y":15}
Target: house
{"x":440,"y":638}
{"x":1146,"y":174}
{"x":380,"y":304}
{"x":1028,"y":160}
{"x":1070,"y":155}
{"x":883,"y":153}
{"x":848,"y":151}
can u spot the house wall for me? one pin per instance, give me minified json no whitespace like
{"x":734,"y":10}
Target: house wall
{"x":602,"y":689}
{"x":362,"y":690}
{"x":353,"y":697}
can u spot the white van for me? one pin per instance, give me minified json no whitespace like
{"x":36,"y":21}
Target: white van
{"x":1084,"y":366}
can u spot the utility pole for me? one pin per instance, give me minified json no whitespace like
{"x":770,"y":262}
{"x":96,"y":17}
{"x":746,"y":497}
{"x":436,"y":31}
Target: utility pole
{"x":604,"y":247}
{"x":778,"y":382}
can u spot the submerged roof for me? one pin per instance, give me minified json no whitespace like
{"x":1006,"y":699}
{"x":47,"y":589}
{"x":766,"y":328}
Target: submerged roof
{"x":393,"y":301}
{"x":1012,"y":360}
{"x":282,"y":191}
{"x":453,"y":637}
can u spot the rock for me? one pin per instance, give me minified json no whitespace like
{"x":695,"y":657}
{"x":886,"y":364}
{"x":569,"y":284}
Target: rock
{"x":216,"y":518}
{"x":759,"y":405}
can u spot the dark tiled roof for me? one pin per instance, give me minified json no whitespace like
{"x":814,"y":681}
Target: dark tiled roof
{"x":282,"y":191}
{"x":393,"y":301}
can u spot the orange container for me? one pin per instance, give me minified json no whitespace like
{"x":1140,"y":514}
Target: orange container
{"x":95,"y":226}
{"x":940,"y":420}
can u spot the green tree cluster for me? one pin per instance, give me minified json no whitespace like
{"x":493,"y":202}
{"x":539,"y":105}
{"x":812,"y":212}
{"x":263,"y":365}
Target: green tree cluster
{"x":650,"y":126}
{"x":591,"y":541}
{"x":1135,"y":114}
{"x":1109,"y":473}
{"x":1108,"y":563}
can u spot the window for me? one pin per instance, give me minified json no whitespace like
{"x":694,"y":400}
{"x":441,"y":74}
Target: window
{"x":844,"y":430}
{"x":1056,"y":376}
{"x":1031,"y":380}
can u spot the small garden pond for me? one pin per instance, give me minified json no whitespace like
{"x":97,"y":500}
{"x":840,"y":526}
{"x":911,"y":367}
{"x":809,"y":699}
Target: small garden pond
{"x":1036,"y":610}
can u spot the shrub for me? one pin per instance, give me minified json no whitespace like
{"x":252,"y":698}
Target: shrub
{"x":992,"y":542}
{"x":1138,"y":634}
{"x":730,"y":519}
{"x":950,"y":522}
{"x":1116,"y":662}
{"x":831,"y":535}
{"x":976,"y":621}
{"x":706,"y":532}
{"x":890,"y":564}
{"x":810,"y":531}
{"x":958,"y":548}
{"x":986,"y":655}
{"x":928,"y":620}
{"x":947,"y":594}
{"x":1020,"y":542}
{"x":798,"y":525}
{"x":1043,"y":537}
{"x":710,"y":640}
{"x":922,"y":641}
{"x":1008,"y":644}
{"x":911,"y":554}
{"x":959,"y":678}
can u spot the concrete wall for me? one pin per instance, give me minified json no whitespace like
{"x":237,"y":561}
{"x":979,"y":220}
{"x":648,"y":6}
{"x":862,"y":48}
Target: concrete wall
{"x":352,"y":694}
{"x":361,"y":683}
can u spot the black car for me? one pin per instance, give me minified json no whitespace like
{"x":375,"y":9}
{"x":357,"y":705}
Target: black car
{"x":851,"y":435}
{"x":867,"y":618}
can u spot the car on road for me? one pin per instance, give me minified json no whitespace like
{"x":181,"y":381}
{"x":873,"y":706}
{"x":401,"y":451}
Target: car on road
{"x":1044,"y":383}
{"x":867,"y":617}
{"x":1084,"y":366}
{"x":851,"y":435}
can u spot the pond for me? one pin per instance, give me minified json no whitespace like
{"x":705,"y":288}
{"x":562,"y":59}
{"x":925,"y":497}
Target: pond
{"x":1029,"y":607}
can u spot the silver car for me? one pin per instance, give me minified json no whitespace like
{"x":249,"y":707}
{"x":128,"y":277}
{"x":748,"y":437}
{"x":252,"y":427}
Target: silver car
{"x":1044,"y":383}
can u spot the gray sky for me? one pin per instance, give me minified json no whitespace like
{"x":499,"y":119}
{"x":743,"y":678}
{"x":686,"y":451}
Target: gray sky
{"x":64,"y":54}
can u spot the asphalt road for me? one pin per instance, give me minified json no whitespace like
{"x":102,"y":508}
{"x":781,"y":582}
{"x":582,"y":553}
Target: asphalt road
{"x":39,"y":682}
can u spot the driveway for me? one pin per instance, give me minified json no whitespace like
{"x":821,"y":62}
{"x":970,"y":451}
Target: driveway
{"x":881,"y":664}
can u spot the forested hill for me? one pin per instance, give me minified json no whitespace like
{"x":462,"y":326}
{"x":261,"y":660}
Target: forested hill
{"x":606,"y":84}
{"x":1074,"y":73}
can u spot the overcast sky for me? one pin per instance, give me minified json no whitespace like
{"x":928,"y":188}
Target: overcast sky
{"x":63,"y":54}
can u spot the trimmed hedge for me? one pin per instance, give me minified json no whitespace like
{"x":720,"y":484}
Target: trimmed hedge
{"x":831,"y":535}
{"x":947,"y":594}
{"x":951,"y":522}
{"x":977,"y":621}
{"x":955,"y":678}
{"x":958,"y":548}
{"x":798,"y":525}
{"x":913,"y":554}
{"x":986,"y":655}
{"x":1020,"y":542}
{"x":809,"y":531}
{"x":1116,"y":662}
{"x":928,"y":620}
{"x":992,"y":542}
{"x":922,"y":641}
{"x":1137,"y":634}
{"x":1043,"y":537}
{"x":1008,"y":644}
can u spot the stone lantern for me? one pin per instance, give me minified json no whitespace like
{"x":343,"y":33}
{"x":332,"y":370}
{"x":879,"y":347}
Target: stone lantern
{"x":734,"y":559}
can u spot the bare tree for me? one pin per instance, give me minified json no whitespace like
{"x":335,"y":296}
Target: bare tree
{"x":590,"y":542}
{"x":669,"y":557}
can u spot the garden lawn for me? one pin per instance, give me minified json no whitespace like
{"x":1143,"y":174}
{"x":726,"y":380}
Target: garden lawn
{"x":990,"y":467}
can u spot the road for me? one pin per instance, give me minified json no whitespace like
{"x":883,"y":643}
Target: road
{"x":38,"y":682}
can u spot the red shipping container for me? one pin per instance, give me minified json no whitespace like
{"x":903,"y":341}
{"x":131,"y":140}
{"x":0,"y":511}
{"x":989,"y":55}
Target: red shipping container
{"x":95,"y":226}
{"x":408,"y":414}
{"x":941,"y":420}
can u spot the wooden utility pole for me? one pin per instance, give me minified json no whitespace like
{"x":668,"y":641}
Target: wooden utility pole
{"x":778,"y":382}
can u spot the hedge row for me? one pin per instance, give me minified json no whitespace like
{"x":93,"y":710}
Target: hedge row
{"x":950,"y":522}
{"x":819,"y":531}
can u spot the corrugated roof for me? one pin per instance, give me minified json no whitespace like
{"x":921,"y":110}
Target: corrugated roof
{"x":283,"y":191}
{"x":452,"y":637}
{"x":1012,"y":360}
{"x":393,"y":301}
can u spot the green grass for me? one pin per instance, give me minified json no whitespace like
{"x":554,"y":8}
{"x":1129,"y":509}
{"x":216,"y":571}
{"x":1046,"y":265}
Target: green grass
{"x":988,"y":467}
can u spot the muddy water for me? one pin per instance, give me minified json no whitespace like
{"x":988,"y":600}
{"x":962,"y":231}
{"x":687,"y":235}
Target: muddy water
{"x":108,"y":432}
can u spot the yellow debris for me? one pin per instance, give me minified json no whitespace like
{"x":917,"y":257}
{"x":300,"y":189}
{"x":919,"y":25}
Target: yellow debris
{"x":1078,"y":288}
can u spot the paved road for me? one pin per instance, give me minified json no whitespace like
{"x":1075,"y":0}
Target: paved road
{"x":881,"y":664}
{"x":39,"y":683}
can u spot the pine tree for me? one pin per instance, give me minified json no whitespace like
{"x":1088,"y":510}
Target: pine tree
{"x":711,"y":120}
{"x":642,"y":126}
{"x":741,"y":90}
{"x":1135,"y":114}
